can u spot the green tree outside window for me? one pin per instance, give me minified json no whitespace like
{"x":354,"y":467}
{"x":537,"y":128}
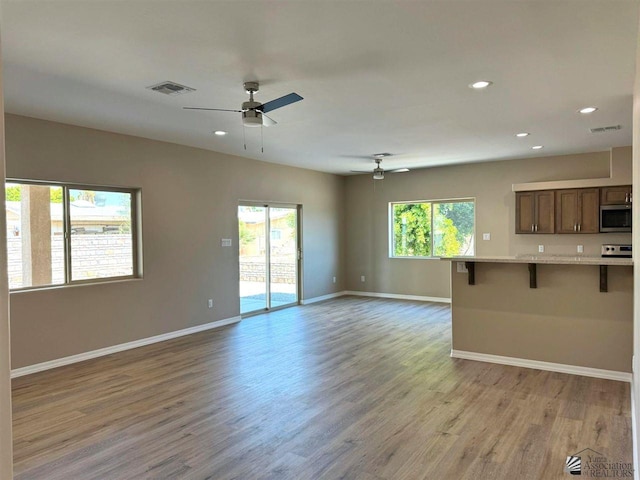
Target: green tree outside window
{"x":439,"y":229}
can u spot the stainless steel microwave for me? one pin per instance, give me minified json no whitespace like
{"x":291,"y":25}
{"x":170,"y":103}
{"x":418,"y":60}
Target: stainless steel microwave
{"x":615,"y":218}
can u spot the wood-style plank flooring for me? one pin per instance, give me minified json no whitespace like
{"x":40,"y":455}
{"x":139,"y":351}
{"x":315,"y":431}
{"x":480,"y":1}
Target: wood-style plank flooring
{"x":353,"y":388}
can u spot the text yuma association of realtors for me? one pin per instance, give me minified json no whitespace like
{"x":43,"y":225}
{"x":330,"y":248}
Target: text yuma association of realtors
{"x":604,"y":469}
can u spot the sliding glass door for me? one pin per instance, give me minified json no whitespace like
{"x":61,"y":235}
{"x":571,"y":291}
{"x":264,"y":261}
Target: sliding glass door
{"x":283,"y":256}
{"x":252,"y":225}
{"x":269,"y":256}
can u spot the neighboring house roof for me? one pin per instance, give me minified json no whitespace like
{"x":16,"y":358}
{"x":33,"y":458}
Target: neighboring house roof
{"x":80,"y":210}
{"x":258,"y":217}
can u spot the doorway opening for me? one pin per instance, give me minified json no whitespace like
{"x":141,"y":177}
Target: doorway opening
{"x":269,"y":256}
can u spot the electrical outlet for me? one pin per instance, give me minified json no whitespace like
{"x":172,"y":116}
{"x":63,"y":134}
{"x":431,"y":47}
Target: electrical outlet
{"x":580,"y":249}
{"x":540,"y":248}
{"x":334,"y":279}
{"x":461,"y":267}
{"x":486,"y":236}
{"x":362,"y":278}
{"x":210,"y":303}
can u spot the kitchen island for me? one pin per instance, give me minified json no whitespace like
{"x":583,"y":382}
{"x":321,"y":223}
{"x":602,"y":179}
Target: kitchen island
{"x":562,"y":313}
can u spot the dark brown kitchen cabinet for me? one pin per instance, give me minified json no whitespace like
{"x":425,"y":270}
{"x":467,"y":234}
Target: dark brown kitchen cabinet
{"x":577,"y":210}
{"x":615,"y":195}
{"x":535,"y":212}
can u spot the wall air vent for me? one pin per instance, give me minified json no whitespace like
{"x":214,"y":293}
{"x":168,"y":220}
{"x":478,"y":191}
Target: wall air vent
{"x":611,"y":128}
{"x":171,"y":88}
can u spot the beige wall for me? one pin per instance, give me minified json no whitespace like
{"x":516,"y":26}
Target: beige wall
{"x":565,"y":320}
{"x":490,"y":184}
{"x":189,"y":202}
{"x":6,"y":452}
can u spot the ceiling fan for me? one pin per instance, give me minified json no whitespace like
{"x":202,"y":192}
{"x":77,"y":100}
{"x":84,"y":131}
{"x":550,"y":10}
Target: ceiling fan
{"x":254,"y":114}
{"x":378,"y":171}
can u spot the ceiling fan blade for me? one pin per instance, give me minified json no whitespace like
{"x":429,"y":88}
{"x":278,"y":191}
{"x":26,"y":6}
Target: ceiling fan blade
{"x":398,"y":170}
{"x":280,"y":102}
{"x":360,"y":171}
{"x":213,"y":109}
{"x":268,"y":121}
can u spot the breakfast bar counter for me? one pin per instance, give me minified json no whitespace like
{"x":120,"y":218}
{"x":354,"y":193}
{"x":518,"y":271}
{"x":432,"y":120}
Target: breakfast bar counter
{"x":562,"y":313}
{"x":533,"y":260}
{"x":547,"y":259}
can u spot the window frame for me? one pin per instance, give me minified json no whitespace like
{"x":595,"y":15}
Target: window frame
{"x":136,"y":229}
{"x":432,"y":202}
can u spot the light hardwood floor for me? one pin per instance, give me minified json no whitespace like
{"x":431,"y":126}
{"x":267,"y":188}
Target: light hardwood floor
{"x":353,"y":388}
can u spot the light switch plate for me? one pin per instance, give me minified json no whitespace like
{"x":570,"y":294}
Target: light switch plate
{"x":225,"y":242}
{"x":486,"y":236}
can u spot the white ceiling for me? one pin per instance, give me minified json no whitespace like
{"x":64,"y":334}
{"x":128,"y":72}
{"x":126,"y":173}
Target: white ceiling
{"x":376,"y":76}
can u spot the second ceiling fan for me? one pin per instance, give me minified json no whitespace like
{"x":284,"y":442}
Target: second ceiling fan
{"x":378,"y":171}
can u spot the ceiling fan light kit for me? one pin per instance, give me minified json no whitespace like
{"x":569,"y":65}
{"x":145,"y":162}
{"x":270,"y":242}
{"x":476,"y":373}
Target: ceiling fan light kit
{"x":250,"y":116}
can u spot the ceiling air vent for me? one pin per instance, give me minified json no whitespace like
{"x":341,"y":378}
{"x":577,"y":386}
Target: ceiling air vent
{"x":611,"y":128}
{"x":171,"y":88}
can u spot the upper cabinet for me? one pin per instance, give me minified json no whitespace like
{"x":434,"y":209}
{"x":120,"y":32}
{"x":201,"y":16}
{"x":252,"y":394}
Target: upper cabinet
{"x":535,"y":212}
{"x":615,"y":195}
{"x":577,"y":210}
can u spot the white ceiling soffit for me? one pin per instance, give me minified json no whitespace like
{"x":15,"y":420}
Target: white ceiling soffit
{"x":375,"y":76}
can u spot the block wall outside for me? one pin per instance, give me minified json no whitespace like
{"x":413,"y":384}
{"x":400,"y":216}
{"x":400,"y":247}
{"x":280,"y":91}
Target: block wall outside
{"x":94,"y":256}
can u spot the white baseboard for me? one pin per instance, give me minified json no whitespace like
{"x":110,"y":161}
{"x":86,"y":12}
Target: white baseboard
{"x":538,"y":365}
{"x":398,"y":296}
{"x":357,"y":293}
{"x":321,"y":298}
{"x":39,"y":367}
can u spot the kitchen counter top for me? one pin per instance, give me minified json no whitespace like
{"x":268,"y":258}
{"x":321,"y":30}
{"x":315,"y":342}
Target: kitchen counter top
{"x":548,"y":259}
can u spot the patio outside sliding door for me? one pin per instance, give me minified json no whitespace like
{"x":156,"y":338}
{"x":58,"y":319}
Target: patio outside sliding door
{"x":269,"y":256}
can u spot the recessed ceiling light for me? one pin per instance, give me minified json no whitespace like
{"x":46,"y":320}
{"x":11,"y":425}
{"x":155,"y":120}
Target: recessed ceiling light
{"x":522,"y":134}
{"x":537,"y":147}
{"x":220,"y":133}
{"x":588,"y":109}
{"x":480,"y":84}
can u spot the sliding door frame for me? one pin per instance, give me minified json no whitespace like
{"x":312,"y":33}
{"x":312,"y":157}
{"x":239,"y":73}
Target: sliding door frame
{"x":267,"y":206}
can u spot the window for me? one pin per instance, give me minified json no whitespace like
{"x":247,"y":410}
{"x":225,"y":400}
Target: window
{"x":276,"y":234}
{"x":432,"y":229}
{"x":59,"y":234}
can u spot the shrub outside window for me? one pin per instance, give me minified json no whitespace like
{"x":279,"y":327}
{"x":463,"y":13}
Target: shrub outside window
{"x":59,"y":234}
{"x":442,"y":228}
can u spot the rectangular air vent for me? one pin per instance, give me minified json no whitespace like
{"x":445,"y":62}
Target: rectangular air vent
{"x":605,"y":129}
{"x":171,"y":88}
